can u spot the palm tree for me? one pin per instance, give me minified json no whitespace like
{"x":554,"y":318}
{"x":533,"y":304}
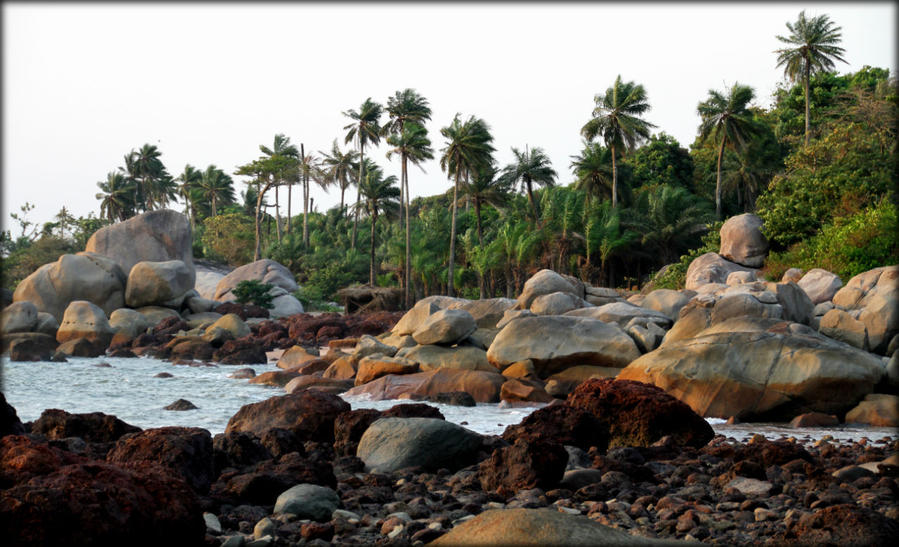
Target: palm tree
{"x":593,"y":171}
{"x":485,"y":188}
{"x":467,"y":150}
{"x":280,"y":147}
{"x":616,"y":118}
{"x":405,"y":106}
{"x":215,"y":186}
{"x":364,"y":129}
{"x":155,"y":186}
{"x":189,"y":179}
{"x":814,"y":47}
{"x":380,"y":194}
{"x":117,"y":197}
{"x":604,"y":234}
{"x":669,"y":219}
{"x":310,"y":167}
{"x":338,"y":168}
{"x":530,"y":167}
{"x":412,"y":144}
{"x":726,"y":118}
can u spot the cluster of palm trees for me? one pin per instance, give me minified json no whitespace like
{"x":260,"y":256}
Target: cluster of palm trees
{"x":142,"y":184}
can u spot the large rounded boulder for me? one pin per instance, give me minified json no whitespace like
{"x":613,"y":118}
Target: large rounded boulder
{"x":390,"y":444}
{"x":711,"y":268}
{"x":542,"y":283}
{"x":873,"y":297}
{"x":19,"y":317}
{"x":156,"y":236}
{"x":159,"y":283}
{"x":483,"y":386}
{"x":743,"y":242}
{"x":83,"y":276}
{"x":308,"y":414}
{"x":265,"y":271}
{"x":83,"y":319}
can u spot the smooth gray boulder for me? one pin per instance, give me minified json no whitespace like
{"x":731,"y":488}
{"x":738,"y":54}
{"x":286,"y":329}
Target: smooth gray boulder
{"x":742,"y":240}
{"x":265,"y":270}
{"x":667,"y":301}
{"x":308,"y":501}
{"x":390,"y":444}
{"x":158,"y":284}
{"x":285,"y":306}
{"x":415,"y":317}
{"x":445,"y":327}
{"x":820,"y":285}
{"x":557,"y":303}
{"x":18,"y":317}
{"x":621,"y":313}
{"x":544,"y":282}
{"x":129,"y":321}
{"x":83,"y":319}
{"x":710,"y":268}
{"x":46,"y":324}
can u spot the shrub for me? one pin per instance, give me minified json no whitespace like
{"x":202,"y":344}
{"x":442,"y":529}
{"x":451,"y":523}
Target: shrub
{"x":675,"y":275}
{"x":254,"y":292}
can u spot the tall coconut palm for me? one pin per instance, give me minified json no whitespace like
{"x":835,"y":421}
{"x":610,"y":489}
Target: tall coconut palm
{"x":727,"y":119}
{"x":813,"y":48}
{"x":669,"y":219}
{"x":365,"y":129}
{"x":468,"y":148}
{"x":155,"y":187}
{"x":412,"y":144}
{"x":485,"y":188}
{"x":216,"y":187}
{"x":379,"y":194}
{"x":117,"y":197}
{"x":405,"y":106}
{"x":189,"y":179}
{"x":280,"y":147}
{"x":529,"y":167}
{"x":338,"y":166}
{"x":616,"y":118}
{"x":310,"y":168}
{"x":593,"y":171}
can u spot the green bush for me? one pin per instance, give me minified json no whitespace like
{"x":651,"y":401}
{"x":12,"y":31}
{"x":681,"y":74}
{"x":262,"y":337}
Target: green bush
{"x":674,"y":277}
{"x":255,"y":292}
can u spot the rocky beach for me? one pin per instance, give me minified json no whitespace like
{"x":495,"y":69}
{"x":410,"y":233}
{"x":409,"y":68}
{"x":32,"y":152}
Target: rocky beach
{"x":619,"y":450}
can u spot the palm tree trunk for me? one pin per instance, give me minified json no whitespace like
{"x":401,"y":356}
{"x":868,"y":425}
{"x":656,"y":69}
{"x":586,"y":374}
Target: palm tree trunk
{"x":718,"y":182}
{"x":371,"y":273}
{"x":257,"y":253}
{"x":614,"y":179}
{"x":342,"y":192}
{"x":452,"y":249}
{"x":289,"y":200}
{"x":807,"y":76}
{"x":531,"y":199}
{"x":213,"y":204}
{"x":277,"y":215}
{"x":358,"y":182}
{"x":408,"y":294}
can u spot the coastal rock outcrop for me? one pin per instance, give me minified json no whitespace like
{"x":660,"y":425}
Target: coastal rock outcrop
{"x":159,"y":284}
{"x":19,"y":317}
{"x":483,"y":386}
{"x":265,"y":270}
{"x":545,"y":282}
{"x":872,"y":297}
{"x":308,"y":414}
{"x":711,"y":268}
{"x":82,"y":319}
{"x":185,"y":452}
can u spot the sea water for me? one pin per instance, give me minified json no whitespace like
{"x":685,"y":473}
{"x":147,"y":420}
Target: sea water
{"x":129,"y":389}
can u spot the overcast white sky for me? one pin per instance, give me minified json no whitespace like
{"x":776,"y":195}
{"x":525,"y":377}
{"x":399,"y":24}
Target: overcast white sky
{"x":207,"y":83}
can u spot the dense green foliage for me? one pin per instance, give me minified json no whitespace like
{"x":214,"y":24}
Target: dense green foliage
{"x":253,"y":291}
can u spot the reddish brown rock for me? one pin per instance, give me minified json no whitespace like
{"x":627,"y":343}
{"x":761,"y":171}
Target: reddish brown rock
{"x":483,"y":386}
{"x":814,"y":419}
{"x":244,"y":351}
{"x":92,"y":427}
{"x":844,"y":524}
{"x":317,"y":383}
{"x":522,"y":466}
{"x":639,"y":414}
{"x":343,"y":368}
{"x":309,"y":414}
{"x":265,"y":481}
{"x":561,"y":424}
{"x":245,"y":311}
{"x":521,"y":389}
{"x":237,"y":449}
{"x":349,"y":427}
{"x":184,"y":451}
{"x":9,"y":420}
{"x":279,"y":378}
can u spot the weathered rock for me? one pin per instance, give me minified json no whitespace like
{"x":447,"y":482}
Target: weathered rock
{"x":521,"y":390}
{"x":349,"y":427}
{"x":83,"y":319}
{"x":647,"y":338}
{"x":563,"y":425}
{"x":415,"y":317}
{"x":285,"y":305}
{"x":461,"y":357}
{"x":81,"y":347}
{"x":483,"y":386}
{"x":94,"y":427}
{"x":738,"y":278}
{"x":553,"y":343}
{"x":309,"y":414}
{"x":814,"y":419}
{"x":792,"y":274}
{"x":129,"y":321}
{"x":877,"y":409}
{"x":29,"y":346}
{"x":184,"y":451}
{"x":83,"y":276}
{"x":308,"y":501}
{"x":520,"y":369}
{"x":876,"y":294}
{"x":791,"y":369}
{"x":667,"y":301}
{"x":538,"y":527}
{"x":231,"y":323}
{"x":343,"y":368}
{"x":375,"y":366}
{"x":820,"y":285}
{"x":742,"y":240}
{"x":557,"y":303}
{"x":511,"y":315}
{"x":9,"y":420}
{"x":265,"y":270}
{"x":181,"y":405}
{"x":18,"y":317}
{"x":840,"y":325}
{"x":369,"y":345}
{"x":522,"y":466}
{"x":314,"y":383}
{"x":541,"y":283}
{"x":487,"y":312}
{"x":445,"y":327}
{"x":278,"y":378}
{"x":796,"y":304}
{"x":155,"y":236}
{"x":390,"y":444}
{"x":710,"y":268}
{"x":46,"y":324}
{"x":159,"y":283}
{"x":296,"y":356}
{"x":639,"y":414}
{"x":622,"y":313}
{"x":843,"y":524}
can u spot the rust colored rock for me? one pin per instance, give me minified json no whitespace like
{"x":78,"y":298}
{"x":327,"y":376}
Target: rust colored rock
{"x":413,"y":410}
{"x":313,"y":366}
{"x":170,"y":325}
{"x":343,"y":368}
{"x":184,"y":451}
{"x":191,"y":348}
{"x":483,"y":386}
{"x":82,"y":347}
{"x":317,"y":383}
{"x":522,"y":466}
{"x":349,"y":427}
{"x":9,"y":420}
{"x":844,"y":524}
{"x":21,"y":458}
{"x":94,"y":427}
{"x":265,"y":481}
{"x":279,"y":378}
{"x":814,"y":419}
{"x":521,"y":389}
{"x":639,"y":414}
{"x":561,"y":424}
{"x":375,"y":366}
{"x":309,"y":414}
{"x":244,"y":351}
{"x":245,"y":311}
{"x":237,"y":449}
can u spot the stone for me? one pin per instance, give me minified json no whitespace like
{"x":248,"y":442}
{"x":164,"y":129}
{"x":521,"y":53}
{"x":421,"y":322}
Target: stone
{"x":792,"y":274}
{"x":445,"y":327}
{"x":9,"y":420}
{"x":29,"y":346}
{"x":840,"y":325}
{"x":415,"y":317}
{"x":81,"y":347}
{"x":46,"y":324}
{"x":738,"y":278}
{"x":390,"y":444}
{"x":544,"y":282}
{"x":375,"y":366}
{"x":483,"y":386}
{"x":553,"y":343}
{"x":521,"y":390}
{"x":343,"y":368}
{"x":710,"y":268}
{"x":131,"y":322}
{"x":285,"y":306}
{"x":231,"y":323}
{"x":742,"y":305}
{"x":750,"y":487}
{"x":295,"y":357}
{"x":198,"y":304}
{"x":312,"y":382}
{"x":796,"y":304}
{"x":520,"y":369}
{"x":486,"y":312}
{"x":158,"y":283}
{"x":369,"y":345}
{"x":647,"y":338}
{"x":308,"y":501}
{"x":876,"y":294}
{"x":621,"y":313}
{"x":820,"y":285}
{"x":814,"y":419}
{"x":461,"y":357}
{"x":742,"y":240}
{"x":480,"y":338}
{"x":82,"y":319}
{"x":842,"y":524}
{"x":308,"y":414}
{"x":83,"y":276}
{"x":156,"y":314}
{"x":180,"y":405}
{"x":265,"y":270}
{"x":156,"y":236}
{"x":524,"y":465}
{"x":639,"y":414}
{"x":556,"y":303}
{"x":19,"y":317}
{"x":94,"y":427}
{"x":579,"y":373}
{"x":183,"y":451}
{"x":537,"y":527}
{"x":791,"y":369}
{"x":877,"y":409}
{"x":667,"y":301}
{"x":511,"y":315}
